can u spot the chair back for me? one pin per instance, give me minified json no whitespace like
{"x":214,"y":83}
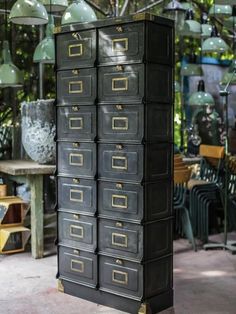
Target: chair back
{"x":182,"y":176}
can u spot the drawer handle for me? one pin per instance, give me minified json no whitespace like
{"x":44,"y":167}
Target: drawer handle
{"x":119,"y":107}
{"x":120,"y":277}
{"x":77,"y":266}
{"x":122,"y":199}
{"x":77,"y":252}
{"x":119,"y":146}
{"x":80,"y":123}
{"x":77,"y":232}
{"x":76,"y":160}
{"x":120,"y":68}
{"x":76,"y":87}
{"x":75,"y":72}
{"x":75,"y":144}
{"x":119,"y":163}
{"x":77,"y":217}
{"x":120,"y":45}
{"x":120,"y":123}
{"x":119,"y":224}
{"x":119,"y":29}
{"x":75,"y":108}
{"x":78,"y":199}
{"x":119,"y":262}
{"x":119,"y":185}
{"x":76,"y":180}
{"x":76,"y":36}
{"x":120,"y":84}
{"x":75,"y":50}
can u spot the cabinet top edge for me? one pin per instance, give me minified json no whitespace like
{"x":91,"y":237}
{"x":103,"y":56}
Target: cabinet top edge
{"x":114,"y":21}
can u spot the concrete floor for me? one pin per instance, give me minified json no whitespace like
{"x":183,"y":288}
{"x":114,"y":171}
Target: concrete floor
{"x":205,"y":283}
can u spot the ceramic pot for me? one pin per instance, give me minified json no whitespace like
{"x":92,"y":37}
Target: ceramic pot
{"x":39,"y":130}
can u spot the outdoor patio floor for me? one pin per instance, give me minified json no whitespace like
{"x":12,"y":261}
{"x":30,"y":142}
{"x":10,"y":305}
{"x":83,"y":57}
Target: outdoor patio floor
{"x":205,"y":283}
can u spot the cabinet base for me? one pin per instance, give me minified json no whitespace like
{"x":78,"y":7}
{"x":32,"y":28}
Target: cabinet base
{"x":150,"y":306}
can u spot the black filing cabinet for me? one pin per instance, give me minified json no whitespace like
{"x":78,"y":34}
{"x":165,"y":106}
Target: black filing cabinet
{"x":115,"y":162}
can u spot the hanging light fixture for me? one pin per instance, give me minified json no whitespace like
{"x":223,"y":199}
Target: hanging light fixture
{"x":215,"y":43}
{"x":187,"y":6}
{"x":175,"y":11}
{"x":10,"y":75}
{"x":78,"y":12}
{"x":201,"y":98}
{"x":45,"y":51}
{"x":229,"y":2}
{"x":191,"y":68}
{"x":28,"y":12}
{"x":55,"y":5}
{"x":206,"y":28}
{"x":220,"y":10}
{"x":191,"y":27}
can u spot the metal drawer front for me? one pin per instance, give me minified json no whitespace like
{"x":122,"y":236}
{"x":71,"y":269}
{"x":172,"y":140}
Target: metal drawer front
{"x":78,"y":195}
{"x":121,"y":44}
{"x":121,"y":239}
{"x":79,"y":266}
{"x":119,"y":123}
{"x":76,"y":123}
{"x":76,"y":87}
{"x":121,"y":276}
{"x":77,"y":159}
{"x":120,"y":162}
{"x":76,"y":48}
{"x":119,"y":200}
{"x":121,"y":84}
{"x":77,"y":231}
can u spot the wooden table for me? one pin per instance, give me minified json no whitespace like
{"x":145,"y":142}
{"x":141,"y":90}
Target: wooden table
{"x":32,"y":173}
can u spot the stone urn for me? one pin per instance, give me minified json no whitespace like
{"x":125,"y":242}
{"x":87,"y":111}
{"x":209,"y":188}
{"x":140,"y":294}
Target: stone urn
{"x":38,"y":130}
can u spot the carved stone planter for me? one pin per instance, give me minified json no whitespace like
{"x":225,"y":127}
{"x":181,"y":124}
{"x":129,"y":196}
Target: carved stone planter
{"x":39,"y":130}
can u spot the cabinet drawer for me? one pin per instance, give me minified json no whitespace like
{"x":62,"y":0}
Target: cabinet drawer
{"x":138,"y":163}
{"x":133,"y":279}
{"x":77,"y":231}
{"x":120,"y":239}
{"x":122,"y":83}
{"x":78,"y":266}
{"x":77,"y":87}
{"x":76,"y":123}
{"x":77,"y":159}
{"x":135,"y":123}
{"x":135,"y":202}
{"x":76,"y":48}
{"x":77,"y":195}
{"x":121,"y":44}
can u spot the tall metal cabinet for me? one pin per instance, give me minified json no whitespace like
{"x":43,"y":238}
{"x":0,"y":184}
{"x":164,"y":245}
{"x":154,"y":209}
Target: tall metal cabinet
{"x":114,"y":162}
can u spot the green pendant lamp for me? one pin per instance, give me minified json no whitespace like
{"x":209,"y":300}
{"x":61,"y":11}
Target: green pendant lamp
{"x":191,"y":27}
{"x":229,"y":2}
{"x":215,"y":43}
{"x":45,"y":51}
{"x":206,"y":28}
{"x":201,"y":98}
{"x":78,"y":12}
{"x":191,"y":68}
{"x":10,"y":75}
{"x":230,"y":23}
{"x":187,"y":6}
{"x":220,"y":10}
{"x":175,"y":11}
{"x":28,"y":12}
{"x":55,"y":5}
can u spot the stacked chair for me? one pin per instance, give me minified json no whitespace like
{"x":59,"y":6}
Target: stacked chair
{"x":182,"y":219}
{"x":204,"y":190}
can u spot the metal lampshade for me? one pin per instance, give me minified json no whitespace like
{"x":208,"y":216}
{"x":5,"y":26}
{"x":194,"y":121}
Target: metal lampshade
{"x":230,"y":23}
{"x":229,"y":2}
{"x":78,"y":12}
{"x":206,"y":28}
{"x":201,"y":98}
{"x":191,"y":27}
{"x":55,"y":5}
{"x":45,"y":51}
{"x":214,"y":43}
{"x":220,"y":10}
{"x":28,"y":12}
{"x":175,"y":11}
{"x":191,"y":68}
{"x":10,"y":75}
